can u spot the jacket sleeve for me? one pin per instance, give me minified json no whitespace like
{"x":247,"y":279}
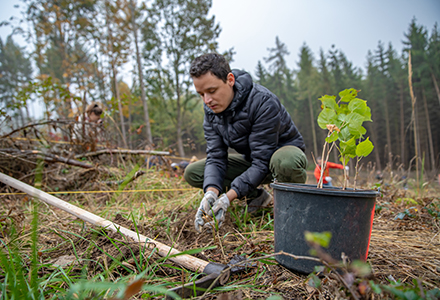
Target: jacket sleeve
{"x":216,"y":158}
{"x":263,"y":141}
{"x":334,"y":166}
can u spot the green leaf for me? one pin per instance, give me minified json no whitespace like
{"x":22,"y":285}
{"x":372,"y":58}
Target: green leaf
{"x":320,"y":238}
{"x":345,"y":134}
{"x":314,"y":281}
{"x":326,"y":116}
{"x":333,"y":137}
{"x":347,"y":95}
{"x":364,"y":148}
{"x":343,"y":109}
{"x":348,"y":148}
{"x":357,"y":105}
{"x":361,"y":268}
{"x":267,"y":262}
{"x":360,"y":106}
{"x":329,"y":102}
{"x":355,"y":120}
{"x":375,"y":287}
{"x":342,"y":118}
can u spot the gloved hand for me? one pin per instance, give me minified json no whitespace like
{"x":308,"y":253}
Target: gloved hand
{"x":347,"y":168}
{"x":328,"y":179}
{"x":222,"y":203}
{"x":219,"y":209}
{"x":205,"y":208}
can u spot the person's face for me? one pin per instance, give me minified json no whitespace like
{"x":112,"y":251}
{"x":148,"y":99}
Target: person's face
{"x":216,"y":94}
{"x":93,"y":118}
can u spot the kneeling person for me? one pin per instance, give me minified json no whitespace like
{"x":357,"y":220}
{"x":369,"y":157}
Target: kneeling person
{"x":248,"y":118}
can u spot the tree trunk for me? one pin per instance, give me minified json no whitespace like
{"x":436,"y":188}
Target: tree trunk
{"x":428,"y":126}
{"x":312,"y":120}
{"x":115,"y":82}
{"x":121,"y":114}
{"x":83,"y":119}
{"x":434,"y":80}
{"x":375,"y":142}
{"x":179,"y":116}
{"x":402,"y":128}
{"x":414,"y":120}
{"x":130,"y":134}
{"x":374,"y":137}
{"x":388,"y":132}
{"x":148,"y":134}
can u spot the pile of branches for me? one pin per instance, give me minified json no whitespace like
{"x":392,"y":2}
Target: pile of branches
{"x":69,"y":155}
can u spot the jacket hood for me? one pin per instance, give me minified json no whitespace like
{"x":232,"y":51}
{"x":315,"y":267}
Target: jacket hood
{"x":242,"y":88}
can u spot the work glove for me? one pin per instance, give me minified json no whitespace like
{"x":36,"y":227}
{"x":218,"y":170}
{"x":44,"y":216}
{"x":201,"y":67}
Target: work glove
{"x":219,"y":210}
{"x":347,"y":168}
{"x":205,"y":208}
{"x":328,"y":179}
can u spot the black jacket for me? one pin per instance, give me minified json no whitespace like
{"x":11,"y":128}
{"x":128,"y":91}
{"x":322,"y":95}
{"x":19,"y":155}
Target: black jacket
{"x":255,"y":124}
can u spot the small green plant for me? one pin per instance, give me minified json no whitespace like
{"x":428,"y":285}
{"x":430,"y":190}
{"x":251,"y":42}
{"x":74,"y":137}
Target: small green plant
{"x":343,"y":120}
{"x":433,"y":209}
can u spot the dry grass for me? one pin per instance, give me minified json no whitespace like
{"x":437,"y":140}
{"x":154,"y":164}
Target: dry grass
{"x":400,"y":249}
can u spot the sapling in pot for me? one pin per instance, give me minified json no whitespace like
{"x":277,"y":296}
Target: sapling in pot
{"x":343,"y":120}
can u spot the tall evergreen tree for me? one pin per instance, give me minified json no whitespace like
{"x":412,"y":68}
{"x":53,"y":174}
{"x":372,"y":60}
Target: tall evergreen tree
{"x":417,"y":43}
{"x":15,"y":72}
{"x":261,"y":74}
{"x":434,"y":59}
{"x":384,"y":94}
{"x":325,"y":76}
{"x":398,"y":77}
{"x":307,"y":82}
{"x":278,"y":71}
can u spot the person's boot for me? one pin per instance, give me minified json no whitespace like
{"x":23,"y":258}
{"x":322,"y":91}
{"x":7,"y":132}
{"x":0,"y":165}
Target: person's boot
{"x":262,"y":200}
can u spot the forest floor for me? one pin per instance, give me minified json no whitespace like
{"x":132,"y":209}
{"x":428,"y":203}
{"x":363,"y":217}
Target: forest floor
{"x":65,"y":256}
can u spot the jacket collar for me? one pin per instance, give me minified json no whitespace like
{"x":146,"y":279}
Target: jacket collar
{"x":242,"y":88}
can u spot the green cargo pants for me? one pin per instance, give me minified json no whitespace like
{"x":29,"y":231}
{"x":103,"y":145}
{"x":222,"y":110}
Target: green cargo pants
{"x":287,"y":164}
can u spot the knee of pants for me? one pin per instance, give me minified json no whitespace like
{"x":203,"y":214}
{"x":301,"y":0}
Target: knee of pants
{"x":194,"y":174}
{"x":289,"y":164}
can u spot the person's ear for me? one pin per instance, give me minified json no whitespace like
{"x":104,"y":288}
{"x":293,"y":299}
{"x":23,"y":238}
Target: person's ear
{"x":230,"y":79}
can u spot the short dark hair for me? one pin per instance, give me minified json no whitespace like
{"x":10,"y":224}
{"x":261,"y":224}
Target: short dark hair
{"x":210,"y":62}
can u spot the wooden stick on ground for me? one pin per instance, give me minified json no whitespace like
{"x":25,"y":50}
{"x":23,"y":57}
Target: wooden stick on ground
{"x":190,"y":262}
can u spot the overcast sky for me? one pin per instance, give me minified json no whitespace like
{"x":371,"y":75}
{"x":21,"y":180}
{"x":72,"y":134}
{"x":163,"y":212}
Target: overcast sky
{"x":354,"y":26}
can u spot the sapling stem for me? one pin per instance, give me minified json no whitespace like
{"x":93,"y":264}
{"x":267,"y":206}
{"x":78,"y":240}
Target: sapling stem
{"x":357,"y":172}
{"x":324,"y":160}
{"x":322,"y":165}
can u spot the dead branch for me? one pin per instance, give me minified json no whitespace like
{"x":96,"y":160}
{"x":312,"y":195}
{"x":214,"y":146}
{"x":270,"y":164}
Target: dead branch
{"x":122,"y":151}
{"x":35,"y":124}
{"x":49,"y":157}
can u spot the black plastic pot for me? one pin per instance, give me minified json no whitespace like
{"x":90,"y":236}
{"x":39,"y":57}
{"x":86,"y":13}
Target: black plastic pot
{"x":347,"y":214}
